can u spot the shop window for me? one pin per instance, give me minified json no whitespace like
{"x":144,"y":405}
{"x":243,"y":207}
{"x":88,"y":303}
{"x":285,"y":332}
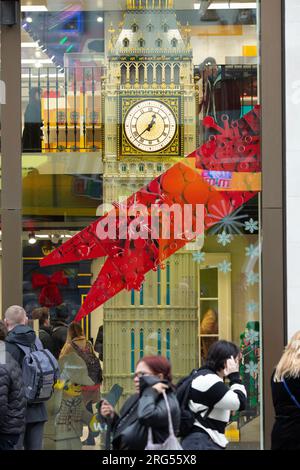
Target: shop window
{"x":132,"y":296}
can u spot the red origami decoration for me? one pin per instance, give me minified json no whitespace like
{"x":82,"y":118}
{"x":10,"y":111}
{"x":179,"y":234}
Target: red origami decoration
{"x":132,"y":236}
{"x":50,"y":295}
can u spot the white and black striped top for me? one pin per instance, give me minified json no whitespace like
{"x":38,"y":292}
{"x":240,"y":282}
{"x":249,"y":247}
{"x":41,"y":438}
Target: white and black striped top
{"x":212,"y":400}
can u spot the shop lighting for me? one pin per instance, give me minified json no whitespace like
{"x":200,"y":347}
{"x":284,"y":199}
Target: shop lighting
{"x":100,"y":19}
{"x":28,"y":8}
{"x":197,"y":6}
{"x":29,"y":19}
{"x":42,"y":236}
{"x":29,"y":44}
{"x":31,"y":239}
{"x":33,"y":61}
{"x":232,"y":6}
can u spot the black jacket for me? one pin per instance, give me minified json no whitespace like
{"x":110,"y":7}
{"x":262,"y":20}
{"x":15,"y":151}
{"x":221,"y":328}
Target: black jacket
{"x":45,"y":335}
{"x":139,"y":412}
{"x":59,"y":336}
{"x":12,"y":396}
{"x":286,"y":429}
{"x":24,"y":335}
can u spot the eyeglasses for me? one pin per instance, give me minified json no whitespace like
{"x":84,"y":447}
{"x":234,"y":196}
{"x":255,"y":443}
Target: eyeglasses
{"x":139,"y":374}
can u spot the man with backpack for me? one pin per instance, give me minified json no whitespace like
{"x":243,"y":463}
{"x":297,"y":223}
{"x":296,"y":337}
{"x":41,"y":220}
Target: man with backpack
{"x":39,"y":370}
{"x":206,"y":401}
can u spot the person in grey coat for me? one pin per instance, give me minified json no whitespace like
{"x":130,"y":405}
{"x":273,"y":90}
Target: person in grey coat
{"x":36,"y":415}
{"x":12,"y":397}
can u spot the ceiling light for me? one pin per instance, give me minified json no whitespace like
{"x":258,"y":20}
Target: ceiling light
{"x":34,"y":61}
{"x":29,"y":44}
{"x":29,"y":19}
{"x":42,"y":236}
{"x":34,"y":8}
{"x":232,"y":6}
{"x":31,"y":238}
{"x":55,"y":237}
{"x":197,"y":6}
{"x":100,"y":19}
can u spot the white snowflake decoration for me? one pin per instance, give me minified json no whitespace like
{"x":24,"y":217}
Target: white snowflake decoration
{"x":252,"y":306}
{"x":224,"y":238}
{"x":252,"y":336}
{"x":252,"y":278}
{"x":225,"y":267}
{"x":251,"y":369}
{"x":199,"y":257}
{"x":252,"y":251}
{"x":251,"y":225}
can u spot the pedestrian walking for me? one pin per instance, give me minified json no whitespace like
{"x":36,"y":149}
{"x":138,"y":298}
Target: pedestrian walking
{"x":45,"y":331}
{"x":285,"y":383}
{"x":146,"y":408}
{"x":210,"y":400}
{"x":12,"y":397}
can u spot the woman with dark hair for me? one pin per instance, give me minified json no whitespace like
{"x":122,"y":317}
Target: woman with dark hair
{"x":211,"y":401}
{"x":32,"y":133}
{"x":146,"y":408}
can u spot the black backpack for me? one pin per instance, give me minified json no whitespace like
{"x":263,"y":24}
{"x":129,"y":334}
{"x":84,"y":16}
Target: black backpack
{"x":187,"y":417}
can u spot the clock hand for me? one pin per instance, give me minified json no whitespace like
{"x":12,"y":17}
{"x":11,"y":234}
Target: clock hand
{"x":148,"y":128}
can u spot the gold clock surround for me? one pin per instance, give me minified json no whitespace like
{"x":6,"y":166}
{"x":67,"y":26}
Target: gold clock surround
{"x":168,"y":112}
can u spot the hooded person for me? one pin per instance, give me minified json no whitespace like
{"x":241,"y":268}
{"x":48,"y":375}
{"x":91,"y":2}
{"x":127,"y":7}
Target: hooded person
{"x":32,"y":133}
{"x":19,"y":333}
{"x":60,"y":328}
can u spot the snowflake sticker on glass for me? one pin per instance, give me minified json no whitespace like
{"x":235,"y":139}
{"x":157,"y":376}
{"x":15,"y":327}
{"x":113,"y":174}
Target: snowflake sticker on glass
{"x":251,"y":225}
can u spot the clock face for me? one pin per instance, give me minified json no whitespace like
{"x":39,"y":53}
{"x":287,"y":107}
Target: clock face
{"x":150,"y":125}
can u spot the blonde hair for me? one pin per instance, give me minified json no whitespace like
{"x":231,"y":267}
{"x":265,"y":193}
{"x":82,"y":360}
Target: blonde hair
{"x":74,"y":331}
{"x":289,"y":364}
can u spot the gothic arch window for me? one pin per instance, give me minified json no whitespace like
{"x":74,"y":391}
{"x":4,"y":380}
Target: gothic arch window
{"x":126,"y":42}
{"x":150,"y":74}
{"x":134,"y":28}
{"x":165,"y":28}
{"x":174,"y":42}
{"x":159,"y":42}
{"x":132,"y":74}
{"x":123,"y":74}
{"x":150,"y":27}
{"x":168,"y":73}
{"x":141,"y":74}
{"x":176,"y":74}
{"x":159,"y":74}
{"x":141,"y":42}
{"x":141,"y":167}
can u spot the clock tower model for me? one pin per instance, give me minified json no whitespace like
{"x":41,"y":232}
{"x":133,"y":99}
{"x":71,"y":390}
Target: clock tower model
{"x":149,"y":103}
{"x":149,"y":96}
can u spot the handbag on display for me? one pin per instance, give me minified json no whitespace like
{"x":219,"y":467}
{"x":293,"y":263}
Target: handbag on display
{"x":171,"y":443}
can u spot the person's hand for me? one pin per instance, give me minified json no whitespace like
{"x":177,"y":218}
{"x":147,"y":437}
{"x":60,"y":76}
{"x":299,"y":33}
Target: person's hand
{"x":106,"y":409}
{"x":232,"y":365}
{"x":160,"y":387}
